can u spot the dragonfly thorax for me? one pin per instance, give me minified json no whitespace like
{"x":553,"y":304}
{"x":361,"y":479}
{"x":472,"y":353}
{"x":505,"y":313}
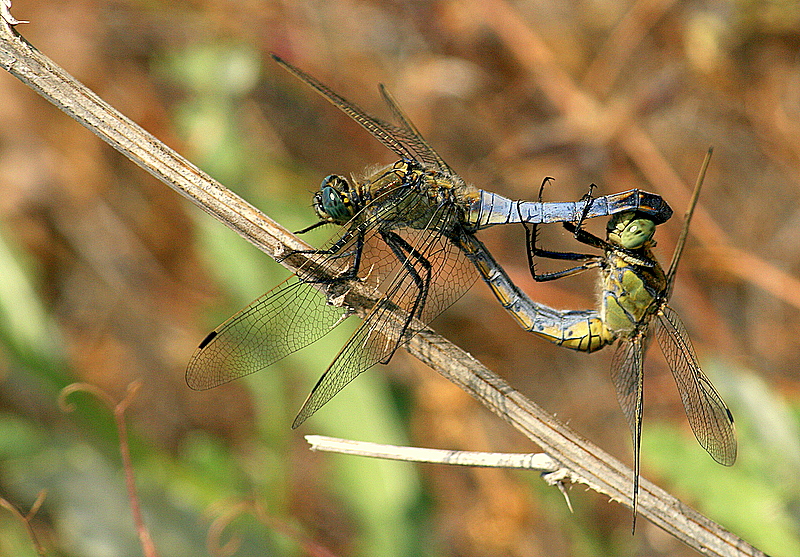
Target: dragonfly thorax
{"x":633,"y":282}
{"x":333,"y":202}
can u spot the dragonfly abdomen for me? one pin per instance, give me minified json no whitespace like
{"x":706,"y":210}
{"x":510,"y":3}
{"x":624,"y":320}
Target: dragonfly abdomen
{"x":581,"y":330}
{"x":491,"y":209}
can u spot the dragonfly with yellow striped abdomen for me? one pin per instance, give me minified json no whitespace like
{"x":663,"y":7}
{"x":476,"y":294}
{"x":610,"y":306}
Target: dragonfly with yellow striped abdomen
{"x":402,"y":237}
{"x":634,"y":298}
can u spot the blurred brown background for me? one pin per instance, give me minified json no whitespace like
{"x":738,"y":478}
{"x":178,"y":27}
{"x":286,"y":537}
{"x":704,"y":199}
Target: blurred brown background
{"x":108,"y":276}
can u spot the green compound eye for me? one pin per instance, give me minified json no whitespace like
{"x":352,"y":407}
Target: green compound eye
{"x":637,"y":233}
{"x":630,"y":232}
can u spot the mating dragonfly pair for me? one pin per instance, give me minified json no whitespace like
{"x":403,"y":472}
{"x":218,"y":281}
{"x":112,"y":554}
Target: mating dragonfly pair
{"x":408,"y":238}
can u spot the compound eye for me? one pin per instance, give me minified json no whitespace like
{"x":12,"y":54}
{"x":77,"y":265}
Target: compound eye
{"x":637,"y":232}
{"x":334,"y":199}
{"x":339,"y":183}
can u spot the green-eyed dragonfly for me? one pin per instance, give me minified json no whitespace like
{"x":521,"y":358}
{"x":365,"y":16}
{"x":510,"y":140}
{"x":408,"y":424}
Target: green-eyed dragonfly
{"x":404,"y":225}
{"x":634,"y":298}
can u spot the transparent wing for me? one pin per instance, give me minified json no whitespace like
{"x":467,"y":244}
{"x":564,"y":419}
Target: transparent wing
{"x":404,"y":141}
{"x":296,"y":313}
{"x":627,"y":374}
{"x":433,"y":274}
{"x":708,"y":415}
{"x":409,"y":135}
{"x":287,"y":318}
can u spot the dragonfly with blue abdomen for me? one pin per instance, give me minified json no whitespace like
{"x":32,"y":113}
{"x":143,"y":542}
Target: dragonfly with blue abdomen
{"x":634,"y":298}
{"x":401,"y":238}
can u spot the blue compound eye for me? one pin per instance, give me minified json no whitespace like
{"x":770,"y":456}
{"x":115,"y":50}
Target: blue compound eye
{"x":334,"y":200}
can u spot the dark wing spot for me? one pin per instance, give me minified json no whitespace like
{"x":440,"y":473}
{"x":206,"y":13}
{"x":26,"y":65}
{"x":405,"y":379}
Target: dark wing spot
{"x":208,"y":339}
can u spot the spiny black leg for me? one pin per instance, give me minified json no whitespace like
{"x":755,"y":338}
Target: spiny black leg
{"x":588,"y":200}
{"x":531,"y":238}
{"x":336,"y":247}
{"x":358,"y":249}
{"x":532,"y":232}
{"x":585,"y":237}
{"x":312,"y":227}
{"x":352,"y":272}
{"x":544,"y":277}
{"x":591,"y":261}
{"x":547,"y":180}
{"x":401,"y":247}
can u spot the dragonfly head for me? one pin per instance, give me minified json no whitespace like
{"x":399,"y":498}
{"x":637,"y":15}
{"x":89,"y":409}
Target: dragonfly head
{"x":631,"y":230}
{"x":332,"y":202}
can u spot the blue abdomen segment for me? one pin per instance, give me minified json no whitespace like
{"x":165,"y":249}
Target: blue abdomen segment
{"x":492,"y":209}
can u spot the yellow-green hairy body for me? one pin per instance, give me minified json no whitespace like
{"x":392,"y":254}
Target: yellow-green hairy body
{"x":398,"y":196}
{"x":629,"y":292}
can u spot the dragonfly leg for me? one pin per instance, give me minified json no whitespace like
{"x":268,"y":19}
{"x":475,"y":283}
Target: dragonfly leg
{"x":585,"y":237}
{"x":589,"y":239}
{"x":312,"y":227}
{"x":544,"y":277}
{"x":405,"y":252}
{"x":547,"y":180}
{"x":534,"y":251}
{"x":335,"y":251}
{"x":588,"y":200}
{"x":532,"y":236}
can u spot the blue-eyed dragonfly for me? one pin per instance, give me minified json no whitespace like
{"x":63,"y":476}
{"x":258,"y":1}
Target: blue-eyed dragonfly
{"x":402,"y":237}
{"x":634,"y":298}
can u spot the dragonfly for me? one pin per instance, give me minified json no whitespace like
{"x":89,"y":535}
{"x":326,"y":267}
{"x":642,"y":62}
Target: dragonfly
{"x":402,"y":238}
{"x":635,"y":291}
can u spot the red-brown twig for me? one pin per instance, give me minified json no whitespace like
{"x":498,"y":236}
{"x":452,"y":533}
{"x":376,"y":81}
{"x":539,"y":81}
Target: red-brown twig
{"x":230,"y":512}
{"x":118,"y":409}
{"x":27,"y":518}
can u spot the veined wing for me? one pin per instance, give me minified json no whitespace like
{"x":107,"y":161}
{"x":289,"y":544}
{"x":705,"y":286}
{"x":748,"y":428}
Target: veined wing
{"x":296,"y":314}
{"x":708,"y":415}
{"x":409,"y":135}
{"x":627,"y":373}
{"x":405,"y":141}
{"x":434,"y":273}
{"x":287,"y":318}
